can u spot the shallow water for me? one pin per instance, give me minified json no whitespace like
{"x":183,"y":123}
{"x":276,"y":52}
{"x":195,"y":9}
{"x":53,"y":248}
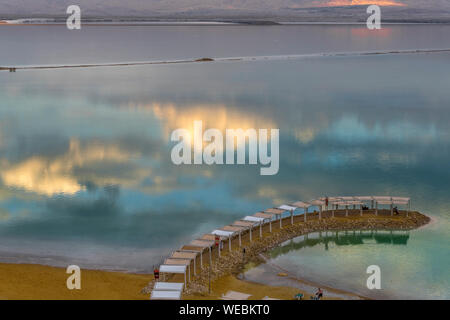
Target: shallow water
{"x":85,"y":170}
{"x":340,"y":260}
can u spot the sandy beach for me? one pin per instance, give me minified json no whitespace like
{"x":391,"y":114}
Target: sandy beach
{"x":38,"y":282}
{"x":29,"y":281}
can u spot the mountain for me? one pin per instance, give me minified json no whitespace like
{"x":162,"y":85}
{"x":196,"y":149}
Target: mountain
{"x":277,"y":10}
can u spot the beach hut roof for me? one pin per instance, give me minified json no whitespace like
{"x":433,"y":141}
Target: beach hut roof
{"x":401,"y":199}
{"x":202,"y":243}
{"x":177,"y":262}
{"x":184,"y":255}
{"x":348,"y":203}
{"x":192,"y":248}
{"x":253,"y":219}
{"x":301,"y":204}
{"x":364,"y":198}
{"x":382,"y":198}
{"x":334,"y":198}
{"x":385,"y":202}
{"x":165,"y":295}
{"x":223,"y":233}
{"x":208,"y":236}
{"x":317,"y":202}
{"x":274,"y":211}
{"x":401,"y":202}
{"x":234,"y":295}
{"x":168,"y":286}
{"x":286,"y":207}
{"x":247,"y":224}
{"x":234,"y":228}
{"x":347,"y":198}
{"x":172,"y":268}
{"x":264,"y":215}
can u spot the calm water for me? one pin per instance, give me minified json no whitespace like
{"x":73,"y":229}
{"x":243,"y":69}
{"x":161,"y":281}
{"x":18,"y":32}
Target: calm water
{"x":85,"y":170}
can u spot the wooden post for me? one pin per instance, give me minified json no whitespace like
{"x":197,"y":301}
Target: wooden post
{"x":392,"y":210}
{"x":304,"y":214}
{"x":270,"y":225}
{"x":376,"y":208}
{"x":292,"y":217}
{"x":320,"y":212}
{"x":195,"y":267}
{"x":201,"y":259}
{"x":260,"y":229}
{"x":229,"y":243}
{"x":210,"y":256}
{"x":409,"y":207}
{"x":209,"y":279}
{"x":240,"y":242}
{"x":360,"y":206}
{"x":250,"y":234}
{"x":281,"y":225}
{"x":189,"y":268}
{"x":346,"y":211}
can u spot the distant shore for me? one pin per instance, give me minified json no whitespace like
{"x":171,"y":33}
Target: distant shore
{"x":62,"y":22}
{"x":225,"y":59}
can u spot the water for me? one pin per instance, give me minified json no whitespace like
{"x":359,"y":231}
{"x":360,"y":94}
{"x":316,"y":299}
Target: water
{"x":401,"y":256}
{"x":85,"y":170}
{"x":50,"y":44}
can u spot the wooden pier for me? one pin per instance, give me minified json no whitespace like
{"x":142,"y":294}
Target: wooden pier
{"x":192,"y":258}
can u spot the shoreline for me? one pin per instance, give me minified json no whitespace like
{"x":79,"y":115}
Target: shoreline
{"x":34,"y":281}
{"x":233,"y":262}
{"x":283,"y":275}
{"x":41,"y":282}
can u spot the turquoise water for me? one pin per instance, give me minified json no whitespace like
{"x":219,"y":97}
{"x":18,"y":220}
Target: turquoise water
{"x":409,"y":265}
{"x":85,"y":170}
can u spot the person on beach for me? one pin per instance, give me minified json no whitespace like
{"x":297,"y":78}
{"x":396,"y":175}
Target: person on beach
{"x":319,"y":294}
{"x":396,"y":210}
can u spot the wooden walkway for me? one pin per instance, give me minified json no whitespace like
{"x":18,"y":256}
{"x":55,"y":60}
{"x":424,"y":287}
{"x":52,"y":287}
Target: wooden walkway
{"x":191,"y":257}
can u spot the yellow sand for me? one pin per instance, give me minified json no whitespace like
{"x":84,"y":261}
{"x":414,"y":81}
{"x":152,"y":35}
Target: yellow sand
{"x":257,"y":291}
{"x":27,"y":281}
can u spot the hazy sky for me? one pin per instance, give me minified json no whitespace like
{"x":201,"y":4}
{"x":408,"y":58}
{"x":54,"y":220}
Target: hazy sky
{"x":172,"y":6}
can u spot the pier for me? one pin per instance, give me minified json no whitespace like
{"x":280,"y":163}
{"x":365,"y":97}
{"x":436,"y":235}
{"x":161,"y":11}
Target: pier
{"x":226,"y":249}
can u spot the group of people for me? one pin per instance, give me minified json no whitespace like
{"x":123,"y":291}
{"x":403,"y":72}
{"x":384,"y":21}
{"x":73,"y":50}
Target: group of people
{"x":317,"y":296}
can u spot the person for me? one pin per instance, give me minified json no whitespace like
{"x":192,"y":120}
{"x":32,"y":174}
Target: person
{"x":396,"y":210}
{"x":319,"y":294}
